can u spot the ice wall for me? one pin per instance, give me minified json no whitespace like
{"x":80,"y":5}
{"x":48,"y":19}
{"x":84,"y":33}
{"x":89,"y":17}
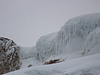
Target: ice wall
{"x":92,"y":43}
{"x":70,"y":38}
{"x":75,"y":31}
{"x":46,"y":46}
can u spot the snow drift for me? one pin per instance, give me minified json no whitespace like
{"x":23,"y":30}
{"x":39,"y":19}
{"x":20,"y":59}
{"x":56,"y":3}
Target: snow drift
{"x":70,"y":38}
{"x":88,"y":65}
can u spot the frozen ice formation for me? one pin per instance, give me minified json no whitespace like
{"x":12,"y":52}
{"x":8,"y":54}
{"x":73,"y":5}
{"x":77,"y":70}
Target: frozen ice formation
{"x":92,"y":43}
{"x":70,"y":38}
{"x":46,"y":46}
{"x":27,"y":52}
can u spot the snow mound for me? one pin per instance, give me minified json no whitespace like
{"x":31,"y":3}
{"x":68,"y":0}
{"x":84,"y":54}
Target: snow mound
{"x":70,"y":38}
{"x":92,"y":43}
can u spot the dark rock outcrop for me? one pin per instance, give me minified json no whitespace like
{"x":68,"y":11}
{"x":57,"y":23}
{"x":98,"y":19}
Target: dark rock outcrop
{"x":30,"y":65}
{"x":53,"y":61}
{"x":9,"y":56}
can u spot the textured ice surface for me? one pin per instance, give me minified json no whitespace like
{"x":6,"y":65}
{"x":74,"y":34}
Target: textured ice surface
{"x":92,"y":43}
{"x":27,"y":52}
{"x":45,"y":46}
{"x":10,"y":51}
{"x":70,"y":38}
{"x":77,"y":35}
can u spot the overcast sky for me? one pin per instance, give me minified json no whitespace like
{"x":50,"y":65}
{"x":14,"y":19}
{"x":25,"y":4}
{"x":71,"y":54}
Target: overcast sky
{"x":25,"y":21}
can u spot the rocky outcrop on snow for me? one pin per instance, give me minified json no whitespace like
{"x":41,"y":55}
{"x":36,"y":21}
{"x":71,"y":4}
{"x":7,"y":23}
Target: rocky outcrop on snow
{"x":9,"y":55}
{"x":92,"y":43}
{"x":70,"y":38}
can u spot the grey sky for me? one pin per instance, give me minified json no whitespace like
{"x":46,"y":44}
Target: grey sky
{"x":25,"y":21}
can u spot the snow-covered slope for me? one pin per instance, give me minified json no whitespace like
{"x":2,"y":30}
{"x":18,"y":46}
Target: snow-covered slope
{"x":70,"y":38}
{"x":79,"y":37}
{"x":45,"y":46}
{"x":88,"y":65}
{"x":92,"y":43}
{"x":27,"y":52}
{"x":28,"y":56}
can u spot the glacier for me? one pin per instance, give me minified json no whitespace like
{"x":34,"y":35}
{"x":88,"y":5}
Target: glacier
{"x":70,"y":38}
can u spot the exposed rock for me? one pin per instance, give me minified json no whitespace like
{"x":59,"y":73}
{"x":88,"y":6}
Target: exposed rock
{"x":30,"y":65}
{"x":53,"y":61}
{"x":9,"y":56}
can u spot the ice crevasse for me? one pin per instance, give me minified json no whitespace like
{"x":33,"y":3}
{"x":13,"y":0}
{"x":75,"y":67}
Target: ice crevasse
{"x":70,"y":38}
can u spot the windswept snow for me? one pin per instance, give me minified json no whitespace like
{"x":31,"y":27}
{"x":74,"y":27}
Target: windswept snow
{"x":10,"y":51}
{"x":88,"y":65}
{"x":45,"y":46}
{"x":28,"y":55}
{"x":77,"y":43}
{"x":27,"y":52}
{"x":92,"y":43}
{"x":70,"y":38}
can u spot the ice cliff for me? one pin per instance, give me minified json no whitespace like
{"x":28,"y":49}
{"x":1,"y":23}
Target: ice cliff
{"x":70,"y":38}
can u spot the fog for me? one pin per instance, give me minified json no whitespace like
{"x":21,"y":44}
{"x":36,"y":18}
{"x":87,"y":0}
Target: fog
{"x":25,"y":21}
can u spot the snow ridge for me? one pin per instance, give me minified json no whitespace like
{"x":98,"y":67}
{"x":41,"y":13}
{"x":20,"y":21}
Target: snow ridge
{"x":80,"y":36}
{"x":70,"y":38}
{"x":92,"y":43}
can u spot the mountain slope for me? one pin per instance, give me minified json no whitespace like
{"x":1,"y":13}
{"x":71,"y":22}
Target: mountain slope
{"x":70,"y":38}
{"x":92,"y":43}
{"x":75,"y":46}
{"x":88,"y":65}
